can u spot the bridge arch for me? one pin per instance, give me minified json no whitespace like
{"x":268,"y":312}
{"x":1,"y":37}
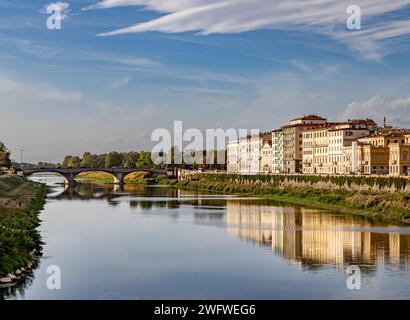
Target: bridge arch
{"x":118,"y":178}
{"x":69,"y":178}
{"x":70,"y":174}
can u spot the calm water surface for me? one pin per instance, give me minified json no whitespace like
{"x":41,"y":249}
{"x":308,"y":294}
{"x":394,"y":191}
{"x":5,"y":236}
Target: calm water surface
{"x":162,"y":243}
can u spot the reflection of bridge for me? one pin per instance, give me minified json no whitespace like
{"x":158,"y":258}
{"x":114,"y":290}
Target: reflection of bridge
{"x":70,"y":174}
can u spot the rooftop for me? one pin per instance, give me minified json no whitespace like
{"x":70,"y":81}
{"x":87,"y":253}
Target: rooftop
{"x":309,"y":117}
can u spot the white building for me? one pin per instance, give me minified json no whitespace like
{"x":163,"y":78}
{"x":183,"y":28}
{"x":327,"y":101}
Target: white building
{"x":341,"y":153}
{"x":255,"y":154}
{"x":267,"y":157}
{"x":232,"y":161}
{"x":244,"y":155}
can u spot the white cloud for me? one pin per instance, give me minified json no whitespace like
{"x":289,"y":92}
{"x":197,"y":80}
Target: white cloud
{"x":136,"y":62}
{"x":396,"y":111}
{"x":235,"y":16}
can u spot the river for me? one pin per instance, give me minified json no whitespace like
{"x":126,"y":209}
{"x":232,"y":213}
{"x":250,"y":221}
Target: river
{"x":155,"y":242}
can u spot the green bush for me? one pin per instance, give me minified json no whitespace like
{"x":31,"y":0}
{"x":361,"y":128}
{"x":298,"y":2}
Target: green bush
{"x":18,"y":234}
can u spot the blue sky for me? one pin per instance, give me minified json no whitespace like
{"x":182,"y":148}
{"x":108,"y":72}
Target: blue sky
{"x":119,"y":69}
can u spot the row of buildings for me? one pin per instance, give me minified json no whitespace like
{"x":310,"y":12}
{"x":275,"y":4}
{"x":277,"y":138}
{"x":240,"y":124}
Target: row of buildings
{"x":313,"y":145}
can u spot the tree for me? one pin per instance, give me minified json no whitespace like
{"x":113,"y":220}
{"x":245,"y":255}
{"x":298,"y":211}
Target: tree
{"x":114,"y":159}
{"x":87,"y":160}
{"x":71,"y":162}
{"x":4,"y":156}
{"x":75,"y":162}
{"x":99,"y":161}
{"x":66,"y":161}
{"x":144,"y":160}
{"x":130,"y":159}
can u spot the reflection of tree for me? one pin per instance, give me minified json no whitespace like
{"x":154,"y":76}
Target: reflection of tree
{"x":133,"y":204}
{"x":87,"y":193}
{"x":146,"y":205}
{"x":160,"y":204}
{"x":173,"y":204}
{"x":113,"y":203}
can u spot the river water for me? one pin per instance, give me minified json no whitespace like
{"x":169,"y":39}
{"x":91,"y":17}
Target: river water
{"x":160,"y":243}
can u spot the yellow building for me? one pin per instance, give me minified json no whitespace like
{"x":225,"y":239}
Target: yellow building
{"x":315,"y":150}
{"x":292,"y":141}
{"x":399,"y":160}
{"x":374,"y":152}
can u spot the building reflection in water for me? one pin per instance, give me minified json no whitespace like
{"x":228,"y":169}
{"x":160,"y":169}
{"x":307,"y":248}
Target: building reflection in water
{"x":316,"y":239}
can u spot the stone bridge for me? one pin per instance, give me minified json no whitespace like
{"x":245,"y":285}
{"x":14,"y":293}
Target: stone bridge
{"x":70,"y":174}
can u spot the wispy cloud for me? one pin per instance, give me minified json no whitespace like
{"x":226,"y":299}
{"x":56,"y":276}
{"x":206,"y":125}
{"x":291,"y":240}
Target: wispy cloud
{"x":301,"y":66}
{"x":322,"y":69}
{"x":326,"y":17}
{"x":31,"y":47}
{"x":12,"y":89}
{"x":120,"y":82}
{"x":57,"y":94}
{"x":396,"y":111}
{"x":129,"y":61}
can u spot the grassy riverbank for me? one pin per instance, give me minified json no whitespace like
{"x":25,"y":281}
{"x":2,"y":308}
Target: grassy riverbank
{"x":20,"y":202}
{"x":390,"y":206}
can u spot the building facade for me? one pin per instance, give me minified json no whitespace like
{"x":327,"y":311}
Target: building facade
{"x":399,"y":160}
{"x":267,"y":157}
{"x":315,"y":150}
{"x":341,"y":137}
{"x":374,"y":151}
{"x":232,"y":161}
{"x":244,"y":155}
{"x":250,"y":154}
{"x":277,"y":151}
{"x":255,"y":154}
{"x":311,"y":145}
{"x":292,"y":141}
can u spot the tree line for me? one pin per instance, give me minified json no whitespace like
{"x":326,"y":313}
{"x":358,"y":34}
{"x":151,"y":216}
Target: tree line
{"x":138,"y":160}
{"x":128,"y":160}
